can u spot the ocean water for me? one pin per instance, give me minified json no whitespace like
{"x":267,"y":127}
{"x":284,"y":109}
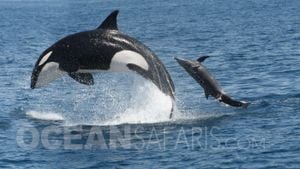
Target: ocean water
{"x":122,"y":121}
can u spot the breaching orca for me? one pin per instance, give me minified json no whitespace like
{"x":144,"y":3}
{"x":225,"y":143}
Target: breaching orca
{"x":102,"y":49}
{"x":206,"y":80}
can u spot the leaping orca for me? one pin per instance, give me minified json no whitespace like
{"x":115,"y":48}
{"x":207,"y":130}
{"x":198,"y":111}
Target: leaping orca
{"x":211,"y":87}
{"x":102,"y":49}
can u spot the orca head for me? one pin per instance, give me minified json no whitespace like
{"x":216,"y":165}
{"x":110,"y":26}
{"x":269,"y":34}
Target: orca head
{"x":46,"y":69}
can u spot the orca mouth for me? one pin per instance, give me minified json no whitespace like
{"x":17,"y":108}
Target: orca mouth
{"x":34,"y":77}
{"x":44,"y":74}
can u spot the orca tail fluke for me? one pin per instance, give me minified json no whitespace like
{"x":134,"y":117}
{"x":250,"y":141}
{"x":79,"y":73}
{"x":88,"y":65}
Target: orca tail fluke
{"x":227,"y":100}
{"x":171,"y":115}
{"x":172,"y":109}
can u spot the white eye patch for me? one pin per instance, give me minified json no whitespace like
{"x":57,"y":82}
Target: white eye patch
{"x":45,"y":58}
{"x":121,"y":59}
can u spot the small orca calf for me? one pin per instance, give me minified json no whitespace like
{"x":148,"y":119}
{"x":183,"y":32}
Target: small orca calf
{"x":206,"y":80}
{"x":102,"y":49}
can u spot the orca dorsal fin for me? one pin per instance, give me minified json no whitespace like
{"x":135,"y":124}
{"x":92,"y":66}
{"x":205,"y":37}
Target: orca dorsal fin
{"x":110,"y":22}
{"x":202,"y":58}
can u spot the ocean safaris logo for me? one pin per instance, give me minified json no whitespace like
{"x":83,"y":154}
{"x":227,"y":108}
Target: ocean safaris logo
{"x":132,"y":137}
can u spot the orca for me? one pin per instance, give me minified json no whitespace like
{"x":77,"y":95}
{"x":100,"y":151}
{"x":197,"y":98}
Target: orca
{"x":103,"y":49}
{"x":211,"y":87}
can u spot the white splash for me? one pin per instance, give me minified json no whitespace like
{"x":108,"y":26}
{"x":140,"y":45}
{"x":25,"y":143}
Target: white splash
{"x":110,"y":103}
{"x":148,"y":105}
{"x":45,"y":115}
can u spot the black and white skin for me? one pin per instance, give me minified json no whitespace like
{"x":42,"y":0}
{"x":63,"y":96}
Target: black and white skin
{"x":211,"y":87}
{"x":103,"y":49}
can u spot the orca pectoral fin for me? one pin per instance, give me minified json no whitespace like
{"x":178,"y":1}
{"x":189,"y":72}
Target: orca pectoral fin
{"x":83,"y":78}
{"x":138,"y":69}
{"x":202,"y":58}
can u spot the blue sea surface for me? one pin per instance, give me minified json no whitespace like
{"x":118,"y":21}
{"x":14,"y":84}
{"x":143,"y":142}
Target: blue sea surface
{"x":121,"y":121}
